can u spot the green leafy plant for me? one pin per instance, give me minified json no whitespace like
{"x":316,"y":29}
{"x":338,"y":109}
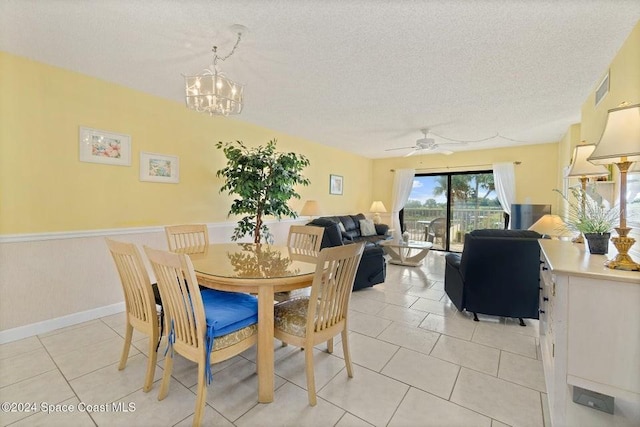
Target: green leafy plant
{"x":593,"y":218}
{"x":264,"y":180}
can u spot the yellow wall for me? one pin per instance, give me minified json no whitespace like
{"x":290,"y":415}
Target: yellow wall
{"x":536,"y":176}
{"x":45,"y":188}
{"x":624,"y":85}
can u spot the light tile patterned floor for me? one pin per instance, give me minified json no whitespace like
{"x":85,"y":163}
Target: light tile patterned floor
{"x":418,"y":361}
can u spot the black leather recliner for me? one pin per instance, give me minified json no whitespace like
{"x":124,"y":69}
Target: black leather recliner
{"x":497,"y":273}
{"x":372,"y":269}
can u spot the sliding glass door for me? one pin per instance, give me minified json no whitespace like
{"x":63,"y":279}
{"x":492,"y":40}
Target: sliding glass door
{"x":442,"y":208}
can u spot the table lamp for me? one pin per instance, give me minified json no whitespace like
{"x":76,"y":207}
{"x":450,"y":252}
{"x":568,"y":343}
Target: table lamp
{"x":552,"y":226}
{"x":377,"y":207}
{"x":620,"y":144}
{"x":582,"y":169}
{"x":310,"y":208}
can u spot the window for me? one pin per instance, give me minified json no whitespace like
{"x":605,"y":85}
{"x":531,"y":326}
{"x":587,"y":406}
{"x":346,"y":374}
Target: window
{"x":442,"y":208}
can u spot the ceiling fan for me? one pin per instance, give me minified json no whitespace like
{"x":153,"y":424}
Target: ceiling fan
{"x":427,"y":144}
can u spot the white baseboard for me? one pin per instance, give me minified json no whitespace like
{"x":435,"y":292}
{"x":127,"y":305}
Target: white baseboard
{"x":59,"y":322}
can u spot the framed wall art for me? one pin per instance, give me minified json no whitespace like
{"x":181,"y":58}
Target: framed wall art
{"x":159,"y":168}
{"x":336,"y":183}
{"x":99,"y":146}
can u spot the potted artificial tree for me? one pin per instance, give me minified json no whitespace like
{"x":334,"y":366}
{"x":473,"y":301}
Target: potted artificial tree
{"x":594,"y":220}
{"x":264,"y":180}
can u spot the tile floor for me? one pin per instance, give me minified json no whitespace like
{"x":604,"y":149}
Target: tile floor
{"x":418,"y":362}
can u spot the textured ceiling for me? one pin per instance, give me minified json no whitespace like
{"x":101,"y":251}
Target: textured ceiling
{"x":363,"y":76}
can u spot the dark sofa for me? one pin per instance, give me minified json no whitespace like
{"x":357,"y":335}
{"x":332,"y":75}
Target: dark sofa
{"x":497,"y":274}
{"x":352,"y":233}
{"x":372,"y":268}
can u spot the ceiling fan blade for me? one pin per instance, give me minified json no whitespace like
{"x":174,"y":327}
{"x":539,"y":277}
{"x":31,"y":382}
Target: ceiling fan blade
{"x":412,"y":153}
{"x":446,"y":152}
{"x":400,"y":148}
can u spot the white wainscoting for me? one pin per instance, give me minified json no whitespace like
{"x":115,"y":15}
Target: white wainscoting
{"x":53,"y":280}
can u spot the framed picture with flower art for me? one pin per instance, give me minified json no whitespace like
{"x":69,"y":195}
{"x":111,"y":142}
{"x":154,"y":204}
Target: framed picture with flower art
{"x":159,"y":168}
{"x":99,"y":146}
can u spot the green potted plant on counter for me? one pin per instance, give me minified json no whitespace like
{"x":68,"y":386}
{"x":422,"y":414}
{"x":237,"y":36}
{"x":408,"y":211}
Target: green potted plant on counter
{"x":264,"y":180}
{"x":591,"y":218}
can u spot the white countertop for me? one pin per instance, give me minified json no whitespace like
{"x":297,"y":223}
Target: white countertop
{"x":575,"y":259}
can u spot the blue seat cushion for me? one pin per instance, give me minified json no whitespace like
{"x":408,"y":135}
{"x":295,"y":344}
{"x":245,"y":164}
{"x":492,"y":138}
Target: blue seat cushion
{"x":228,"y":312}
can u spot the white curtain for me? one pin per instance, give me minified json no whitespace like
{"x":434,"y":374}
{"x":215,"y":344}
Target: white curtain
{"x":504,"y":178}
{"x":402,"y":185}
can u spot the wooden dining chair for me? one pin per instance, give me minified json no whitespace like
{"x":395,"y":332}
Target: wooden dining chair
{"x":308,"y":321}
{"x":303,"y":240}
{"x":188,"y":238}
{"x":305,"y":237}
{"x":205,"y":326}
{"x":140,"y":301}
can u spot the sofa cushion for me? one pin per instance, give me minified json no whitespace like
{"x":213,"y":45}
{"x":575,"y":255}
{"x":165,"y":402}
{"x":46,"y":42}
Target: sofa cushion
{"x":356,"y":219}
{"x":349,"y":223}
{"x":382,"y":229}
{"x":367,"y":228}
{"x":332,"y":236}
{"x":323,"y":221}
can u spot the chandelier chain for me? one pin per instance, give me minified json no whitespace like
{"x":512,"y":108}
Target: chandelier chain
{"x":233,"y":50}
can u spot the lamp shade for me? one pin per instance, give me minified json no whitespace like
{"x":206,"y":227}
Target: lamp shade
{"x":580,"y":167}
{"x":310,"y":208}
{"x":621,"y":137}
{"x":377,"y":207}
{"x":551,"y":225}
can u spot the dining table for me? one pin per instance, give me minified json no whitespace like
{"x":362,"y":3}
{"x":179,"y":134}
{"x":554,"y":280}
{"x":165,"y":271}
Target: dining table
{"x":262,"y":270}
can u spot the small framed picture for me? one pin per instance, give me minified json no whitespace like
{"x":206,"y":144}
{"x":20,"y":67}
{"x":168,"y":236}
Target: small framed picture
{"x":335,"y":184}
{"x":159,"y":168}
{"x":99,"y":146}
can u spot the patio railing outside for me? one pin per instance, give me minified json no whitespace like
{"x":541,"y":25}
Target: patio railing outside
{"x":464,"y":220}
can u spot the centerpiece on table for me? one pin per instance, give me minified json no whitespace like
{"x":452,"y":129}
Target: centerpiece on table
{"x":591,"y":218}
{"x":264,"y":180}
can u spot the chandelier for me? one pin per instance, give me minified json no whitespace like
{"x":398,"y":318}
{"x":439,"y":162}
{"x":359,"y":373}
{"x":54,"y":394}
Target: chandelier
{"x":212,"y":91}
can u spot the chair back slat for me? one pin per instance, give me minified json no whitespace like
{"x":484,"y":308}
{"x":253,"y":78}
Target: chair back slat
{"x":188,"y":239}
{"x":138,"y":295}
{"x":180,"y":295}
{"x":332,"y":285}
{"x":305,"y":237}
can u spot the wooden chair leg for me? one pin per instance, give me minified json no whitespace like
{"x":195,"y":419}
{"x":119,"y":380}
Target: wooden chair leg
{"x":311,"y":381}
{"x":151,"y":363}
{"x":201,"y":395}
{"x":330,"y":346}
{"x":127,"y":345}
{"x":347,"y":354}
{"x":166,"y":376}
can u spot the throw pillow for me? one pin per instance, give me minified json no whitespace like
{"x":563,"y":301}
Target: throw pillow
{"x":341,"y":226}
{"x":367,"y":228}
